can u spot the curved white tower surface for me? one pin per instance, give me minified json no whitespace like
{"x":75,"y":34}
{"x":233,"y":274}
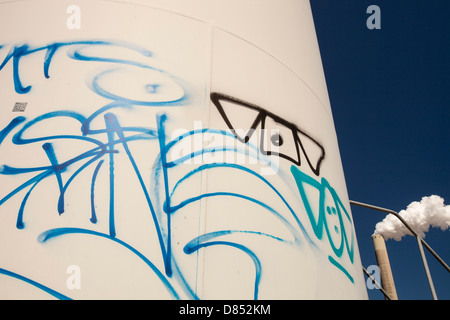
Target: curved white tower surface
{"x":169,"y":150}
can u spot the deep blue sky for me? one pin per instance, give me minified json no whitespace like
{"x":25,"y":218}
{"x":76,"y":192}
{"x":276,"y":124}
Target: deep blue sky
{"x":390,"y":95}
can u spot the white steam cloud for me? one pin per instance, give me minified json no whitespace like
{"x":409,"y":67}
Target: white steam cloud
{"x":429,"y":212}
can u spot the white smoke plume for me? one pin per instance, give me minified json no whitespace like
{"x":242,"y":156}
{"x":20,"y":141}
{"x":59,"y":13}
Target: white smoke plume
{"x":430,"y":211}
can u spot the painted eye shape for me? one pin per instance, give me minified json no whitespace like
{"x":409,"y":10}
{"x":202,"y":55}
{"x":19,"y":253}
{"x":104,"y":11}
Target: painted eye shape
{"x":276,"y":140}
{"x":331,"y":212}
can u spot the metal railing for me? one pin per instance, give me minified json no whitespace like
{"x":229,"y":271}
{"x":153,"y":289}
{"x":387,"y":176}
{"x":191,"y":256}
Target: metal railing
{"x":420,"y":242}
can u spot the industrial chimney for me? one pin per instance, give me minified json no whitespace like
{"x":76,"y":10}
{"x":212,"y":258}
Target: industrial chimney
{"x":381,"y":254}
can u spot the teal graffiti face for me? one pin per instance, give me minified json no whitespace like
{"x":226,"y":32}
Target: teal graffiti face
{"x":329,"y":219}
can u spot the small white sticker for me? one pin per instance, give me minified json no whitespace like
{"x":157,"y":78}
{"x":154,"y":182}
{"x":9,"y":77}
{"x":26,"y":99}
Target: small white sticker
{"x":20,"y":106}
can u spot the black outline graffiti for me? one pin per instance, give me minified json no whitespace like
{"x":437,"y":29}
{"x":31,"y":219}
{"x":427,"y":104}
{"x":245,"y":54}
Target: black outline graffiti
{"x":261,"y":119}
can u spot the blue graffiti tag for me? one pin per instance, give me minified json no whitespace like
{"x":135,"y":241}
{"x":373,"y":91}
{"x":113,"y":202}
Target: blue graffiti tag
{"x":106,"y":142}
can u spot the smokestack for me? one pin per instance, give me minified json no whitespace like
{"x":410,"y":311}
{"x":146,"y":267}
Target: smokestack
{"x":387,"y":278}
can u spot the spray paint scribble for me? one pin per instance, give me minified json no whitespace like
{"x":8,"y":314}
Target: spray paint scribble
{"x":110,"y":146}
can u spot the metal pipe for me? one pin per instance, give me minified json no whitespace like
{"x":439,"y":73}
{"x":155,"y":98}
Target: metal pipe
{"x":433,"y":253}
{"x":420,"y":241}
{"x":427,"y":270}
